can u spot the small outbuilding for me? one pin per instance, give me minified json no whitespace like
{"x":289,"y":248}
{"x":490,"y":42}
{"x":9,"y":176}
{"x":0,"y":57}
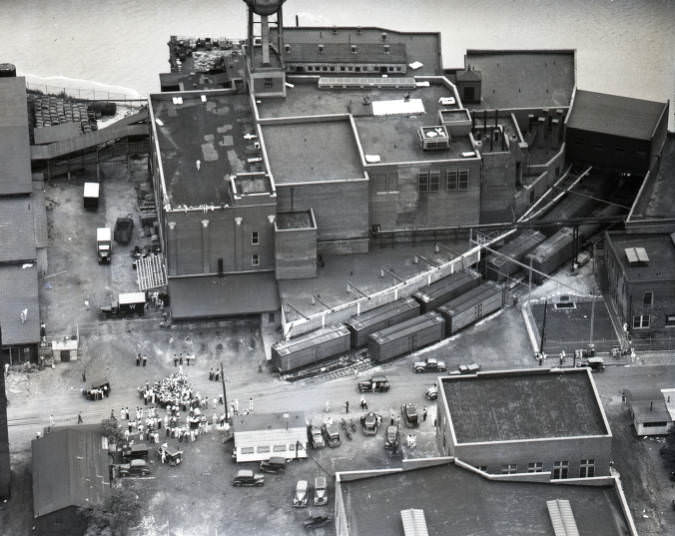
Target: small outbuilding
{"x":260,"y":437}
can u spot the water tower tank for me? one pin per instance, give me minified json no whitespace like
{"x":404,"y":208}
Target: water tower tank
{"x":264,"y":7}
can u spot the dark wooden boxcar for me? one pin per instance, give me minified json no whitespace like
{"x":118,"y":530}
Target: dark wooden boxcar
{"x":445,"y":289}
{"x":472,"y":306}
{"x":499,"y":268}
{"x":381,"y":317}
{"x":406,"y":337}
{"x":310,"y":348}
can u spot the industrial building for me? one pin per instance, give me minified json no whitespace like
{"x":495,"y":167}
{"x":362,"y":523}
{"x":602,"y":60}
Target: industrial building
{"x":260,"y":437}
{"x":71,"y":471}
{"x":525,"y":421}
{"x":639,"y":275}
{"x":447,"y":496}
{"x":653,"y":412}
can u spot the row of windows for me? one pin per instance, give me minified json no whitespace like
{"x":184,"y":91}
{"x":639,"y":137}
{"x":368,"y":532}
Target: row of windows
{"x":456,"y":180}
{"x":266,"y":449}
{"x":644,"y":321}
{"x":348,"y":68}
{"x":560,"y":468}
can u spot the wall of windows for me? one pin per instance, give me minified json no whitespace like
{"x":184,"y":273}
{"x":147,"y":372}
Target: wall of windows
{"x":454,"y":180}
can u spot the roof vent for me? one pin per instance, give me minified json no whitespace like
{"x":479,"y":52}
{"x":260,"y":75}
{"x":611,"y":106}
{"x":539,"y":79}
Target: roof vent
{"x":637,"y":256}
{"x":433,"y":138}
{"x":414,"y":522}
{"x":562,"y":518}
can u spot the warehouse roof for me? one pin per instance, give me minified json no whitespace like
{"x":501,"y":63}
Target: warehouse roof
{"x":17,"y":229}
{"x":70,"y":468}
{"x":655,"y":198}
{"x":209,"y":131}
{"x":19,"y":292}
{"x":614,"y":115}
{"x":15,"y":174}
{"x":213,"y":296}
{"x":268,"y":421}
{"x":312,"y":152}
{"x":660,"y":251}
{"x":530,"y":404}
{"x":461,"y":502}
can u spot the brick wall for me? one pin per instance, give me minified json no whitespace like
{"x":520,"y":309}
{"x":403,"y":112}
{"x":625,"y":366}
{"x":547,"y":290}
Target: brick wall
{"x":295,"y":253}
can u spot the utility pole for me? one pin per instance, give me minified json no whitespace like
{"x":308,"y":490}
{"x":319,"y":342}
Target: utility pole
{"x":590,"y":342}
{"x":222,"y":379}
{"x":543,"y":328}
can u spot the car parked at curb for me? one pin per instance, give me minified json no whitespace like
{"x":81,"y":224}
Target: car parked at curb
{"x":376,"y":384}
{"x":392,"y":439}
{"x":331,"y":434}
{"x":320,"y":491}
{"x":315,"y":437}
{"x":247,"y":478}
{"x":301,"y":494}
{"x":432,"y":392}
{"x":430,"y":364}
{"x":135,"y":467}
{"x":410,"y":415}
{"x":274,"y":465}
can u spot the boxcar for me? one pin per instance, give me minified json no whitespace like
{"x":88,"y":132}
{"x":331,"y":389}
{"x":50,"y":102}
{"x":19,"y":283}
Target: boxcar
{"x":406,"y":337}
{"x":310,"y":348}
{"x":551,"y":253}
{"x":499,"y":268}
{"x":472,"y":306}
{"x":379,"y":318}
{"x":445,"y":289}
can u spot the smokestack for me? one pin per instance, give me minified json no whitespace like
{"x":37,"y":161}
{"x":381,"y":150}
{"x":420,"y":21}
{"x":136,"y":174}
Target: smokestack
{"x":265,"y":38}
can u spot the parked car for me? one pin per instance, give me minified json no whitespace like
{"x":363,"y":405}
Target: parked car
{"x":595,"y":363}
{"x":376,"y":384}
{"x":301,"y":495}
{"x":391,"y":438}
{"x":369,"y":423}
{"x":316,"y":521}
{"x":409,"y":414}
{"x":135,"y":451}
{"x":469,"y":368}
{"x":246,"y":477}
{"x":320,"y":491}
{"x":136,"y":467}
{"x":331,"y":434}
{"x":432,"y":392}
{"x":430,"y":364}
{"x":315,"y":437}
{"x":274,"y":465}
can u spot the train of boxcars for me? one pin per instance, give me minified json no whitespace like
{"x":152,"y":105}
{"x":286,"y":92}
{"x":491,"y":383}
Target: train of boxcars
{"x":448,"y":305}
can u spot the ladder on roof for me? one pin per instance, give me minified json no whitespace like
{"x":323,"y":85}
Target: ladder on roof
{"x":562,"y":518}
{"x":414,"y":522}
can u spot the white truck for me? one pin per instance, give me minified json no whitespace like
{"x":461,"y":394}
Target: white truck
{"x":103,"y":244}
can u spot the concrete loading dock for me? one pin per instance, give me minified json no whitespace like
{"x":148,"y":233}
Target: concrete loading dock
{"x":406,"y":337}
{"x":311,"y":348}
{"x":471,"y":307}
{"x":446,"y":289}
{"x":382,"y":317}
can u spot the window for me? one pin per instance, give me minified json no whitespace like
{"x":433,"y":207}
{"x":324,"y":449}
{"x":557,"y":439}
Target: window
{"x":463,"y":180}
{"x":655,"y":424}
{"x":587,"y":468}
{"x":451,"y":179}
{"x":342,"y":68}
{"x":560,"y":469}
{"x":255,"y":238}
{"x":509,"y":469}
{"x":648,"y":299}
{"x":268,"y":83}
{"x":310,"y":68}
{"x":434,"y":181}
{"x":264,"y":449}
{"x":535,"y":467}
{"x":670,"y":321}
{"x":482,"y":468}
{"x":423,"y":181}
{"x":255,"y":259}
{"x":246,"y":450}
{"x":279,"y":448}
{"x":640,"y":321}
{"x":293,"y":446}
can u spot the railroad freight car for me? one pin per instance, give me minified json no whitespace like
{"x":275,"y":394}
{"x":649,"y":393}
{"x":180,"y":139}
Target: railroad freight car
{"x":310,"y":348}
{"x":572,"y":205}
{"x":406,"y":337}
{"x":379,"y":318}
{"x":498,"y":268}
{"x":471,"y":306}
{"x":445,"y":289}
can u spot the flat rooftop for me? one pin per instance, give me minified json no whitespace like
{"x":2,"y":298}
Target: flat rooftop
{"x":392,"y":137}
{"x":15,"y":173}
{"x":460,"y":502}
{"x":312,"y":152}
{"x":505,"y":406}
{"x":656,"y":199}
{"x":660,"y":249}
{"x":19,"y":292}
{"x":299,"y":219}
{"x":424,"y":47}
{"x":268,"y":421}
{"x":523,"y":78}
{"x":17,"y":229}
{"x":617,"y":116}
{"x":210,"y":132}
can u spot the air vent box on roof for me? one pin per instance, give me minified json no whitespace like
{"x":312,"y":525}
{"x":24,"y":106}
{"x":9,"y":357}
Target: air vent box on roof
{"x":637,"y":256}
{"x":433,"y":138}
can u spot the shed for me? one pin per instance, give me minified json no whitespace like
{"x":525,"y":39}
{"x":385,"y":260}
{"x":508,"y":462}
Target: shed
{"x":260,"y":437}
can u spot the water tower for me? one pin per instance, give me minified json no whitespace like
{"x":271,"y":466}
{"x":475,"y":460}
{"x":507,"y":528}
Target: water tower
{"x":265,"y":66}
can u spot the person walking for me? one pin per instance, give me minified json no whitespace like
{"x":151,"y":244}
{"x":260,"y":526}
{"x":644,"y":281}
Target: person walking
{"x":51,"y":422}
{"x":346,"y":406}
{"x":138,"y":360}
{"x":84,"y":377}
{"x":145,"y":360}
{"x":424,"y":414}
{"x":79,"y":418}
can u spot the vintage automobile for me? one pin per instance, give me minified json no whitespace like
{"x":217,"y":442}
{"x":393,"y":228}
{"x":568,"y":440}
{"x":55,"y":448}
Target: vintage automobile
{"x":432,"y":392}
{"x":315,"y":437}
{"x":331,"y":434}
{"x":136,"y":467}
{"x":137,"y":451}
{"x":391,"y":438}
{"x":376,"y":384}
{"x":430,"y":364}
{"x":246,"y":477}
{"x":98,"y":389}
{"x":320,"y":491}
{"x":316,"y":521}
{"x":594,"y":363}
{"x":469,"y":368}
{"x":409,"y":414}
{"x":274,"y":465}
{"x":301,"y":495}
{"x":369,"y":423}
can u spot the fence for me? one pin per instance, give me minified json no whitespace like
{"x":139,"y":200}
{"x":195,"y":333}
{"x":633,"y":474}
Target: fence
{"x":83,"y":93}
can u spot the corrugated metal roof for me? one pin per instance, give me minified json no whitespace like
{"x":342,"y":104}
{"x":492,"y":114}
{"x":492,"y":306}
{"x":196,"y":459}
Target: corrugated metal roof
{"x":414,"y":522}
{"x":15,"y":174}
{"x":17,"y":230}
{"x":19,"y":292}
{"x":562,"y":518}
{"x":614,"y":115}
{"x":70,"y":468}
{"x":213,"y":296}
